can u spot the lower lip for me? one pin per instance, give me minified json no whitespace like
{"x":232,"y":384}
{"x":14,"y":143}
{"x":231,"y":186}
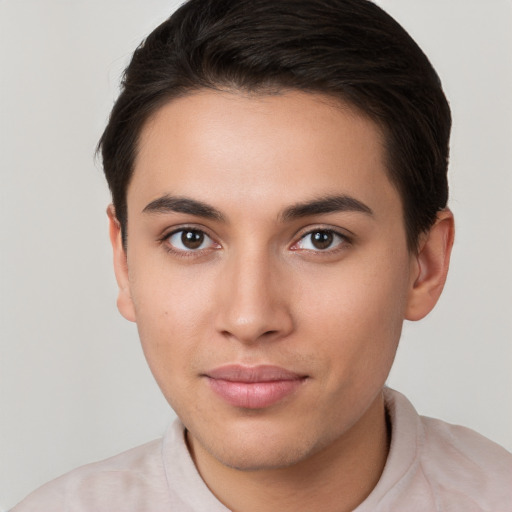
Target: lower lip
{"x":254,"y":395}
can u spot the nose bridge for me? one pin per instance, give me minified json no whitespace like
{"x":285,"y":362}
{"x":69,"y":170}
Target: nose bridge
{"x":251,"y":302}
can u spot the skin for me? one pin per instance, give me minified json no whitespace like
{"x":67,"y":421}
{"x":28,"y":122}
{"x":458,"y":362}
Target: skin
{"x":259,"y":291}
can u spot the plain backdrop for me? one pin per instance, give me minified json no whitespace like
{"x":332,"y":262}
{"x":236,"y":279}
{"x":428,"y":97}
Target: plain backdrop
{"x":74,"y":386}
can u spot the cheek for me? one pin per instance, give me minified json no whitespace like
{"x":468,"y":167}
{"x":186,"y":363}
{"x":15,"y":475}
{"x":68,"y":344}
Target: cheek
{"x":357,"y":313}
{"x":173,"y":312}
{"x":168,"y":297}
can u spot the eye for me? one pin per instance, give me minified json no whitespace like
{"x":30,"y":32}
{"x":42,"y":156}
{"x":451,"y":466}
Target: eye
{"x":188,"y":240}
{"x":320,"y":240}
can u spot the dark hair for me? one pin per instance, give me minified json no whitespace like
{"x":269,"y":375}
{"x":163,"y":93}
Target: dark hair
{"x":349,"y":49}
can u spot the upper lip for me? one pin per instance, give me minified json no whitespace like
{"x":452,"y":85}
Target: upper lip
{"x":261,"y":373}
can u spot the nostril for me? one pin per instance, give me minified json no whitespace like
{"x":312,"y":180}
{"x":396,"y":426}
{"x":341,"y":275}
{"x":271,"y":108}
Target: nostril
{"x":250,"y":335}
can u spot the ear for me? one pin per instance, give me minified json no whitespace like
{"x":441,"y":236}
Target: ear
{"x":124,"y":298}
{"x":430,"y":267}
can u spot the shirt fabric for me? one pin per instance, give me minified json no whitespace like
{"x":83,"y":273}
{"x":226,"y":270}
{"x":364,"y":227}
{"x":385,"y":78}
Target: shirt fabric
{"x":431,"y":466}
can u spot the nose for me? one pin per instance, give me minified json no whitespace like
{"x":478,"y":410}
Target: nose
{"x":253,"y":300}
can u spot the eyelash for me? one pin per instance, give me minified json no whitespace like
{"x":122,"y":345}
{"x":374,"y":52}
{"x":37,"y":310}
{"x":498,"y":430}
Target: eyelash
{"x":184,"y":253}
{"x":343,"y":241}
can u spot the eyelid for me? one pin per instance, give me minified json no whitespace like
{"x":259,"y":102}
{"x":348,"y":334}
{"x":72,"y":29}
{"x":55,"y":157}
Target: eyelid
{"x":171,"y":230}
{"x":346,"y":239}
{"x":164,"y":240}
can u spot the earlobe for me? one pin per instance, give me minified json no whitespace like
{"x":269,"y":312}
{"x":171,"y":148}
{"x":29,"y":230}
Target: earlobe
{"x":124,"y":299}
{"x":431,"y":267}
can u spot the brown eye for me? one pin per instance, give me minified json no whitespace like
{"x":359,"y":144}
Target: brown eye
{"x":187,"y":240}
{"x":192,"y":239}
{"x":320,"y":240}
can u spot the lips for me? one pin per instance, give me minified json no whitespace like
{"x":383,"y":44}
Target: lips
{"x":254,"y":387}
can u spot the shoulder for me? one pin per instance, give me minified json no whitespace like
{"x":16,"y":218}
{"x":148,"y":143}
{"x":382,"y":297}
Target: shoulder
{"x":458,"y":461}
{"x":158,"y":476}
{"x":105,"y":485}
{"x":433,"y":465}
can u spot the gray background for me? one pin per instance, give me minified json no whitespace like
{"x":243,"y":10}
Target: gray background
{"x":73,"y":383}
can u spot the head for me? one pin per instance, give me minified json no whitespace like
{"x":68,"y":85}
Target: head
{"x":278,"y":173}
{"x":350,"y":50}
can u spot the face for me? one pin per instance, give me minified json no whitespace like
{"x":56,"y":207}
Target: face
{"x":267,"y":270}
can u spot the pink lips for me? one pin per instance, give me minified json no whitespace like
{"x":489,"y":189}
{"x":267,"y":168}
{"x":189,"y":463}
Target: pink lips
{"x":253,"y":387}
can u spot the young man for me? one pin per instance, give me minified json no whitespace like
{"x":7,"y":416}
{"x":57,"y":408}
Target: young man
{"x":278,"y":175}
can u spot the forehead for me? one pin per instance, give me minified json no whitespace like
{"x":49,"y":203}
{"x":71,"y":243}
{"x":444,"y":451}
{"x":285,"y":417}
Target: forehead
{"x":267,"y":148}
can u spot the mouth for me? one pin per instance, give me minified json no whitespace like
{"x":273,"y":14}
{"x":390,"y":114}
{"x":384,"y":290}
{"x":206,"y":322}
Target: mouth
{"x":253,"y":387}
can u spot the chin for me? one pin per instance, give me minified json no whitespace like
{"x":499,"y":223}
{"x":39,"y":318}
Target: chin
{"x":261,"y":450}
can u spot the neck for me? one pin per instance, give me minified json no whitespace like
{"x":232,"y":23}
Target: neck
{"x":337,"y":478}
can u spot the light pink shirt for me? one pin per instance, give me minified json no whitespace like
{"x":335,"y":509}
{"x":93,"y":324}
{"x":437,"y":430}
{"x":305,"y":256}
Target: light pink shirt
{"x":432,"y":466}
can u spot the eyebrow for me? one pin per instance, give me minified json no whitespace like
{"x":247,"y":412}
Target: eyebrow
{"x":169,"y":204}
{"x":328,"y":204}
